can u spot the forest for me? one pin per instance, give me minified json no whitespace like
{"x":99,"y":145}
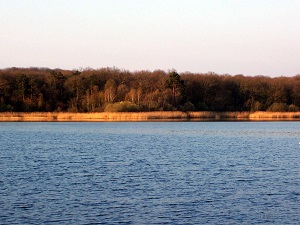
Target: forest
{"x":115,"y":90}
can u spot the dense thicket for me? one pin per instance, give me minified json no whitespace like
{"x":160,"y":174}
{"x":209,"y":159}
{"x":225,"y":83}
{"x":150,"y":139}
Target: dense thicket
{"x":110,"y":89}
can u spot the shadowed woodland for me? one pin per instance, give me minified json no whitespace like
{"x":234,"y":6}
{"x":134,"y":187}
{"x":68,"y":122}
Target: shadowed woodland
{"x":115,"y":90}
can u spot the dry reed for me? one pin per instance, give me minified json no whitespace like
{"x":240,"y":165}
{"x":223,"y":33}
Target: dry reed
{"x":145,"y":116}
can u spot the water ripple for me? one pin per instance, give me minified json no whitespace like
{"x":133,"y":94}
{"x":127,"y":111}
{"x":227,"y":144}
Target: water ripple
{"x":149,"y":173}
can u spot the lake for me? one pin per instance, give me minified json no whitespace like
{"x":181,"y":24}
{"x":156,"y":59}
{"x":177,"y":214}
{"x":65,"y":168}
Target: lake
{"x":150,"y":173}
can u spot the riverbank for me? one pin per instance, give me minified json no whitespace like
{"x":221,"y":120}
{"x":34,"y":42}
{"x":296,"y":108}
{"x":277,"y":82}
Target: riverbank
{"x":146,"y":116}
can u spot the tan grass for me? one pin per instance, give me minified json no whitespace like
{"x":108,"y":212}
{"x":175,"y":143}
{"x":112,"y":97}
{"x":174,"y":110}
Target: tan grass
{"x":145,"y":116}
{"x":275,"y":116}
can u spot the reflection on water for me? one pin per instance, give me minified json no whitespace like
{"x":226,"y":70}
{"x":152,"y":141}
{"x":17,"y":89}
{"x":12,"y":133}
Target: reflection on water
{"x":150,"y":173}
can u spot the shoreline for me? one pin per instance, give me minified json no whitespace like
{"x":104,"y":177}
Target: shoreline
{"x":147,"y":116}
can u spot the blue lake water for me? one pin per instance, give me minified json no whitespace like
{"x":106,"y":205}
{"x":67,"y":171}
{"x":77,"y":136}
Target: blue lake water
{"x":150,"y":173}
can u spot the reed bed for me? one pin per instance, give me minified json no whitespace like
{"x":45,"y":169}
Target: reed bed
{"x":144,"y":116}
{"x":218,"y":115}
{"x":275,"y":116}
{"x":101,"y":116}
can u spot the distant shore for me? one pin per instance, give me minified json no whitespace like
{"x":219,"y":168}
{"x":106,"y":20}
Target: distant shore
{"x":146,"y":116}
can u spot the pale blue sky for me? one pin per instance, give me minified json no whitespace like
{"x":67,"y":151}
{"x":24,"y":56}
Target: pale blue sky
{"x":250,"y":37}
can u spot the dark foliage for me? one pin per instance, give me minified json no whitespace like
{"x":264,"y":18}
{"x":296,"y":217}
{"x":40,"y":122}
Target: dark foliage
{"x":42,"y":89}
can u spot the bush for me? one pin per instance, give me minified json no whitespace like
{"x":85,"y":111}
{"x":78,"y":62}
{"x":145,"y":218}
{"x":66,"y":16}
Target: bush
{"x":188,"y":106}
{"x":257,"y":106}
{"x":294,"y":108}
{"x":278,"y":107}
{"x":5,"y":108}
{"x":121,"y":107}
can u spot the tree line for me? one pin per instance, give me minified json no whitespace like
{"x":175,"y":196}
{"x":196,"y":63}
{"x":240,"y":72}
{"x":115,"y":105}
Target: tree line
{"x":112,"y":89}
